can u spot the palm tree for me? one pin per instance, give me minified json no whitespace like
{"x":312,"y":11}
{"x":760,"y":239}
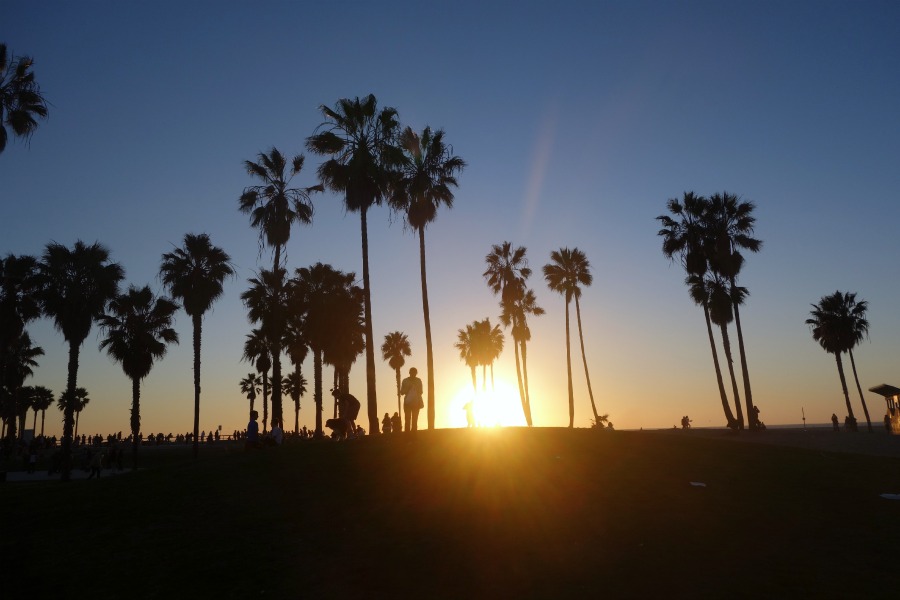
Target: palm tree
{"x":492,"y":345}
{"x":393,"y":350}
{"x":250,"y":387}
{"x":76,"y":285}
{"x":347,"y":328}
{"x":42,"y":400}
{"x":21,"y":360}
{"x":515,"y":314}
{"x":425,"y":175}
{"x":195,"y":274}
{"x":297,"y":347}
{"x":137,"y":331}
{"x":729,"y":224}
{"x":684,"y":235}
{"x":466,"y":344}
{"x":81,"y":400}
{"x":721,"y":313}
{"x":359,"y":139}
{"x":294,"y":385}
{"x":20,"y":96}
{"x":258,"y":353}
{"x":857,"y":330}
{"x":267,"y":305}
{"x":568,"y":270}
{"x":829,"y":328}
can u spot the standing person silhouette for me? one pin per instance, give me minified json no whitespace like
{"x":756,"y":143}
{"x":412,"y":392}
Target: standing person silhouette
{"x":252,"y":440}
{"x":411,"y":388}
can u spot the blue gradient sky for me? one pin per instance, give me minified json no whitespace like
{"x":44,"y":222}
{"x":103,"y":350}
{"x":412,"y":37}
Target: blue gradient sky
{"x":577,"y":123}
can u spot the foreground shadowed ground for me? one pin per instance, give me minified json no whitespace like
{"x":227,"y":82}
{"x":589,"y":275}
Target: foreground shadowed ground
{"x":456,"y":513}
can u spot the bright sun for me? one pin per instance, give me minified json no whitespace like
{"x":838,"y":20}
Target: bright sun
{"x":498,"y":406}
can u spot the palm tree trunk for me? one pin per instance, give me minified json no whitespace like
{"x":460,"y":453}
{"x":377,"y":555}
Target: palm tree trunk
{"x":859,"y":389}
{"x":745,"y":374}
{"x":34,"y":423}
{"x":276,"y":384}
{"x":43,"y":416}
{"x":584,"y":360}
{"x":729,"y":417}
{"x":399,"y":408}
{"x":265,"y":399}
{"x":198,"y":324}
{"x":519,"y":381}
{"x":371,"y":398}
{"x":317,"y":389}
{"x":69,"y":412}
{"x":484,"y":377}
{"x":726,"y":344}
{"x":135,"y":420}
{"x":429,"y":355}
{"x":569,"y":368}
{"x":474,"y":384}
{"x":840,"y":366}
{"x":297,"y":399}
{"x":525,"y":381}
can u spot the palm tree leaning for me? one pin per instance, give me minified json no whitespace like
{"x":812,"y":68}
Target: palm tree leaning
{"x":829,"y":328}
{"x":137,"y":332}
{"x":424,"y":177}
{"x":394,"y":350}
{"x":194,"y":274}
{"x":857,"y":330}
{"x":568,"y":270}
{"x":76,"y":285}
{"x":20,"y":96}
{"x":360,"y":141}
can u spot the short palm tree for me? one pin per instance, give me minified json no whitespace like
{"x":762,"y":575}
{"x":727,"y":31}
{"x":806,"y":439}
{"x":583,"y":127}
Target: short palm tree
{"x":568,"y":270}
{"x":258,"y":353}
{"x":250,"y":387}
{"x":294,"y":385}
{"x":829,"y":328}
{"x":138,"y":330}
{"x":394,"y":350}
{"x":21,"y":101}
{"x":76,"y":285}
{"x":297,"y":347}
{"x":425,"y":176}
{"x":359,"y":140}
{"x":18,"y":306}
{"x":77,"y":401}
{"x":42,"y":400}
{"x":465,"y":343}
{"x":194,"y":274}
{"x":21,"y":359}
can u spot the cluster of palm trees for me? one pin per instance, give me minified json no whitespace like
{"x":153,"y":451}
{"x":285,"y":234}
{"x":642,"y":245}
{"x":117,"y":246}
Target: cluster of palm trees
{"x":708,"y":235}
{"x":838,"y":323}
{"x":21,"y":101}
{"x":369,"y":159}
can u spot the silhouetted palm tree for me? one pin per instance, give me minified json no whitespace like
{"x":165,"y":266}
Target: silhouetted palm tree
{"x":76,"y":286}
{"x":393,"y":350}
{"x":857,"y":330}
{"x":20,"y":96}
{"x":195,"y":274}
{"x":829,"y":327}
{"x":42,"y":400}
{"x":721,"y":312}
{"x":81,"y":400}
{"x":493,"y":340}
{"x":294,"y":385}
{"x":359,"y":139}
{"x":138,"y":329}
{"x":267,"y":305}
{"x":21,"y":355}
{"x":425,"y":175}
{"x":729,"y":223}
{"x":258,"y":353}
{"x":684,"y":235}
{"x":250,"y":387}
{"x":297,"y":347}
{"x":568,"y":270}
{"x":515,"y":314}
{"x":466,"y":344}
{"x":345,"y":341}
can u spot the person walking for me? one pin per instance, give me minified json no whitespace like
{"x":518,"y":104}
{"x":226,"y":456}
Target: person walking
{"x":411,"y":389}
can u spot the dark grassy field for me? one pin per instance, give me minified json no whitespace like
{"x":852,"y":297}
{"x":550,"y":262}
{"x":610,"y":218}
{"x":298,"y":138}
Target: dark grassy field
{"x":545,"y":513}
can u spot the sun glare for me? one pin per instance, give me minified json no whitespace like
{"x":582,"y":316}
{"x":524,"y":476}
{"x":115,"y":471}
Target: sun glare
{"x":493,"y":407}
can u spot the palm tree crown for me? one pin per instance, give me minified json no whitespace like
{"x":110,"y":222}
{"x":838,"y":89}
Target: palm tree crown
{"x":20,"y":96}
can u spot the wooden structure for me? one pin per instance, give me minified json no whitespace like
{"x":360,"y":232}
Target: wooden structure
{"x":891,"y":396}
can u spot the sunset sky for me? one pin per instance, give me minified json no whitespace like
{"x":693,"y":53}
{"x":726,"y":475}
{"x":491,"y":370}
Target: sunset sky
{"x":577,"y":120}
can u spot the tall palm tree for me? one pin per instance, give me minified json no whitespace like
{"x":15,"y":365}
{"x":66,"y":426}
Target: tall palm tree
{"x":466,"y":343}
{"x":394,"y":350}
{"x":258,"y":353}
{"x":721,"y":312}
{"x":76,"y":285}
{"x":730,"y":224}
{"x":250,"y":387}
{"x":424,"y":179}
{"x":568,"y":270}
{"x":77,"y":401}
{"x":829,"y":329}
{"x":359,"y":139}
{"x":857,"y":330}
{"x":21,"y":100}
{"x":195,"y":274}
{"x":42,"y":400}
{"x":137,"y":332}
{"x":515,"y":314}
{"x":684,"y":235}
{"x":294,"y":385}
{"x":267,"y":305}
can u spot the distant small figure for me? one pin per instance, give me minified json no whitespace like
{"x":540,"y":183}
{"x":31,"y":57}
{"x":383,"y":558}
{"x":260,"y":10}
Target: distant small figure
{"x":470,"y":414}
{"x":609,"y":426}
{"x":340,"y":428}
{"x":96,"y":465}
{"x":252,"y":431}
{"x":834,"y":423}
{"x":396,"y":423}
{"x":277,"y":433}
{"x":386,"y":423}
{"x":685,"y":422}
{"x":360,"y":431}
{"x":411,"y":388}
{"x":32,"y":458}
